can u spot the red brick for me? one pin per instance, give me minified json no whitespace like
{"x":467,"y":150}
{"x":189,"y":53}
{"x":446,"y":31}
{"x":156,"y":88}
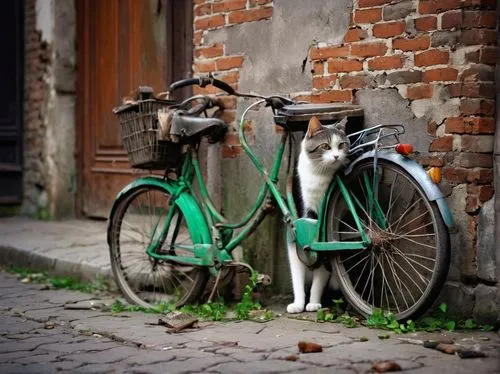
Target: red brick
{"x":354,"y":81}
{"x":210,"y":52}
{"x":339,"y":65}
{"x":371,"y":3}
{"x":455,"y":175}
{"x":488,"y":55}
{"x":443,"y":144}
{"x":256,"y":14}
{"x":259,"y":2}
{"x":229,"y":102}
{"x":421,"y":91}
{"x":232,"y":147}
{"x":480,"y":176}
{"x":440,"y":74}
{"x":354,"y":35}
{"x":432,"y":128}
{"x":481,"y":125}
{"x":202,"y":9}
{"x":318,"y":68}
{"x":385,"y":63}
{"x":426,"y":23}
{"x":486,"y":90}
{"x":230,"y":77}
{"x":368,"y":15}
{"x":230,"y":62}
{"x":229,"y":5}
{"x":470,"y":125}
{"x":323,"y":83}
{"x":483,"y":192}
{"x":432,"y":57}
{"x":478,"y":36}
{"x":322,"y":53}
{"x":477,"y":143}
{"x":204,"y":67}
{"x":209,"y":22}
{"x":478,"y":73}
{"x":472,"y":160}
{"x":455,"y":125}
{"x":436,"y":6}
{"x":480,"y":18}
{"x":490,"y":4}
{"x":333,"y":96}
{"x":451,"y":19}
{"x":477,"y":107}
{"x":413,"y":44}
{"x":387,"y":29}
{"x":197,"y":35}
{"x":368,"y":49}
{"x":436,"y":161}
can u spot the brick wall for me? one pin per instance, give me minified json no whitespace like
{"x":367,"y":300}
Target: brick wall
{"x":215,"y":14}
{"x":36,"y":93}
{"x":435,"y":53}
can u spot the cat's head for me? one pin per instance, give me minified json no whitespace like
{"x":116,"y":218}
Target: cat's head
{"x":326,"y":144}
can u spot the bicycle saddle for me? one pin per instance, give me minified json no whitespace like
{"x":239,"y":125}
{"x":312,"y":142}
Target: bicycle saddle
{"x":185,"y":126}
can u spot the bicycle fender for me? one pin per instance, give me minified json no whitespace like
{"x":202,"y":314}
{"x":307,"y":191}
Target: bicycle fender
{"x":193,"y":214}
{"x":431,"y":190}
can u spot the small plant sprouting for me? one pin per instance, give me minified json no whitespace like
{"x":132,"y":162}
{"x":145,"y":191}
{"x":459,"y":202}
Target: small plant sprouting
{"x":246,"y":305}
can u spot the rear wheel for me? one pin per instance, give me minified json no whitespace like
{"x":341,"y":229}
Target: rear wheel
{"x":404,"y":268}
{"x":144,"y":216}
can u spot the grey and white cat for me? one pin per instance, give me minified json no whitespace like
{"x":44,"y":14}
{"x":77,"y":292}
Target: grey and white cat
{"x":323,"y":152}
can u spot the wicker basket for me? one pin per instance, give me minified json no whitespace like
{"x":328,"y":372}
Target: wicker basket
{"x":140,"y":135}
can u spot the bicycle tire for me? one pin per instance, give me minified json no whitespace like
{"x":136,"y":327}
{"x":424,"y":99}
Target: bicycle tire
{"x":418,"y":258}
{"x":156,"y":281}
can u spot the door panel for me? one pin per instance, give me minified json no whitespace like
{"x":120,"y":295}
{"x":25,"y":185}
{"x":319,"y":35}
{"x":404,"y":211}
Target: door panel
{"x":122,"y":44}
{"x":11,"y":102}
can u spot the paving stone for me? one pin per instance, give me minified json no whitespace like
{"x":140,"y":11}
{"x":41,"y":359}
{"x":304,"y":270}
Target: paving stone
{"x":267,"y":366}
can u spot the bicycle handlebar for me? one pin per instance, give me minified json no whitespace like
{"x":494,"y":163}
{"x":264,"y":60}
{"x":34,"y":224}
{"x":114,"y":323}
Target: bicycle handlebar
{"x":276,"y":102}
{"x":202,"y":82}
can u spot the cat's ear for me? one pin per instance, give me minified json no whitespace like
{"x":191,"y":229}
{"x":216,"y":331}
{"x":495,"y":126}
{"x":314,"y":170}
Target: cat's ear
{"x":314,"y":126}
{"x":339,"y":125}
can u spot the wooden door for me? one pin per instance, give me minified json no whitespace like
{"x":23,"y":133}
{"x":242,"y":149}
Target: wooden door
{"x":11,"y":102}
{"x":122,"y":44}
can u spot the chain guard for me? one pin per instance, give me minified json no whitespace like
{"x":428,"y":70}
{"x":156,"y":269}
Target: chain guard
{"x":306,"y":256}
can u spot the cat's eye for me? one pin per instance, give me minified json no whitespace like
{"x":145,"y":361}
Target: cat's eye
{"x":325,"y":146}
{"x":343,"y":146}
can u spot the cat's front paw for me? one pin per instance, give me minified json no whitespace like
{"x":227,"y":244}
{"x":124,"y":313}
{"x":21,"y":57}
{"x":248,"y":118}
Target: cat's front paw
{"x":295,"y":308}
{"x":311,"y":307}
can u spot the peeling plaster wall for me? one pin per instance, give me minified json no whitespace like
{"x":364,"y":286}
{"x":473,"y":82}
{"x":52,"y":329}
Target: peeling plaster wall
{"x":50,"y":109}
{"x":425,"y":64}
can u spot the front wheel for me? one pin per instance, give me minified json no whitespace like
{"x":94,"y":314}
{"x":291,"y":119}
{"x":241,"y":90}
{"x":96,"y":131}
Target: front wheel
{"x":404,"y":268}
{"x":142,"y":216}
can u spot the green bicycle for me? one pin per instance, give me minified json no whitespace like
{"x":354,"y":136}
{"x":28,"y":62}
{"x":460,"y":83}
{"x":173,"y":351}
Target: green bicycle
{"x":383,"y":222}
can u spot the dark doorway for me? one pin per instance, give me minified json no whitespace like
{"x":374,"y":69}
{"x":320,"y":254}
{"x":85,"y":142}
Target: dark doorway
{"x":11,"y":102}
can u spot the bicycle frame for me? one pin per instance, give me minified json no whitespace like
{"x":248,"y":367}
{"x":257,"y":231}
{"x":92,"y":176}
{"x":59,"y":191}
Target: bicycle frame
{"x":309,"y":234}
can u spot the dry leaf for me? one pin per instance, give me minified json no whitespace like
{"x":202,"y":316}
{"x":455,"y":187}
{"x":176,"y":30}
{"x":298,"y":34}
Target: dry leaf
{"x":309,"y":347}
{"x":385,"y":366}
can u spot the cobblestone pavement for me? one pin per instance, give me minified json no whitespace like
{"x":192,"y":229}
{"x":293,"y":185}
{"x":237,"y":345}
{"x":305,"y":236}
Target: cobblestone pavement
{"x":39,"y":335}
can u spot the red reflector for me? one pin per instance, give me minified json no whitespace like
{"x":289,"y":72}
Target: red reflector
{"x":404,"y":149}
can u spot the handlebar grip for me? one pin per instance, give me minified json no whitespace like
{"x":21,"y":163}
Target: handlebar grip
{"x":202,"y":82}
{"x":183,"y":83}
{"x":223,"y":86}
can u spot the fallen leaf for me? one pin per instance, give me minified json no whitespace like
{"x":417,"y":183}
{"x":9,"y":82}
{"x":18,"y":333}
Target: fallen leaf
{"x":447,"y":348}
{"x":384,"y":336}
{"x":309,"y":347}
{"x":363,"y":339}
{"x":292,"y":358}
{"x":465,"y":353}
{"x":385,"y":366}
{"x":49,"y":325}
